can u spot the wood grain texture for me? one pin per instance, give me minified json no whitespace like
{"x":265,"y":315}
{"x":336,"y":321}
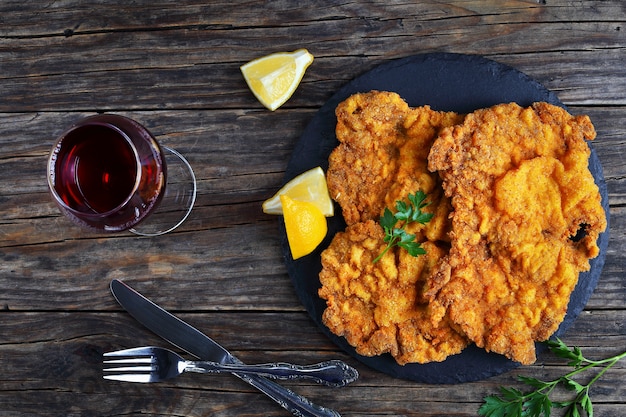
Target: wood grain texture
{"x":174,"y":67}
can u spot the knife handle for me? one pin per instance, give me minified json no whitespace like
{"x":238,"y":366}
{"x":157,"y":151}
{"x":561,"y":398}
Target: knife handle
{"x":333,"y":373}
{"x":289,"y":400}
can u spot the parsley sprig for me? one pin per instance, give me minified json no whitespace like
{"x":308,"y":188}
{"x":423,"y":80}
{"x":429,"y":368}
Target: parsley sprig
{"x":405,"y":214}
{"x":537,"y":403}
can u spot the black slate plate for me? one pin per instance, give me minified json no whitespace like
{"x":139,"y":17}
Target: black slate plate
{"x":446,"y":82}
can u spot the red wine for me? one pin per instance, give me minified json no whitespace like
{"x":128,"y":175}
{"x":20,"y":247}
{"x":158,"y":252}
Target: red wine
{"x":98,"y":168}
{"x":107,"y":173}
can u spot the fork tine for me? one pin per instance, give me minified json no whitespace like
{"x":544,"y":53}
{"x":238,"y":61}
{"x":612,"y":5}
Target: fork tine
{"x":145,"y":359}
{"x":132,"y":369}
{"x":143,"y":378}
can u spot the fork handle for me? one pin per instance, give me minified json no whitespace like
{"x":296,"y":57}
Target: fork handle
{"x":296,"y":404}
{"x":332,"y":373}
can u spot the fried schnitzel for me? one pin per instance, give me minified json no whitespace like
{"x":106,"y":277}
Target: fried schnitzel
{"x":376,"y":306}
{"x":526,"y":217}
{"x":382,"y":158}
{"x":516,"y":219}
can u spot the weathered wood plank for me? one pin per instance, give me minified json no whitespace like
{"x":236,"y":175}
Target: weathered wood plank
{"x":215,"y":269}
{"x":202,"y":85}
{"x":72,"y":368}
{"x":193,"y":65}
{"x":34,"y":19}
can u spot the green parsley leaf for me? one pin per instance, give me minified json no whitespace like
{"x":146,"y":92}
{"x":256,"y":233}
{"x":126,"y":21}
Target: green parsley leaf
{"x":414,"y":248}
{"x":537,"y":403}
{"x":561,"y":350}
{"x":388,"y":221}
{"x":495,"y":406}
{"x":405,"y":214}
{"x":585,"y":402}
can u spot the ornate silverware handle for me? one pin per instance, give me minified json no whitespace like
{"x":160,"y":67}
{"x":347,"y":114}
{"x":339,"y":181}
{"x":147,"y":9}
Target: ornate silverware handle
{"x":332,"y":373}
{"x":289,"y":400}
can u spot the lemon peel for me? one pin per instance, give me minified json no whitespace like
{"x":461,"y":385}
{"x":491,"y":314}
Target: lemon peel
{"x":310,"y":186}
{"x":274,"y":78}
{"x":305,"y":225}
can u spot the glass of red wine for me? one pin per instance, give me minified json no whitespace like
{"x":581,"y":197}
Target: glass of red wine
{"x":108,"y":173}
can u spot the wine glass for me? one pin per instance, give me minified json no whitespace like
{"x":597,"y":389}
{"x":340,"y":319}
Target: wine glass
{"x":108,"y":173}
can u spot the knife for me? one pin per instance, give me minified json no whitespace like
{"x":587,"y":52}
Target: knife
{"x":193,"y":341}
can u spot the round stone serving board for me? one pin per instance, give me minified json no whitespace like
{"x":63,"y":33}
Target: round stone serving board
{"x":446,"y":82}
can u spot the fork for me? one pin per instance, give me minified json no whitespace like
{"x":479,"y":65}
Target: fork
{"x":154,"y":364}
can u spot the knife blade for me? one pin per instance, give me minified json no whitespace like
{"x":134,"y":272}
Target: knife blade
{"x":193,"y":341}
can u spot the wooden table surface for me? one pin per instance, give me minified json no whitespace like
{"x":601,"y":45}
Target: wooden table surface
{"x":174,"y":67}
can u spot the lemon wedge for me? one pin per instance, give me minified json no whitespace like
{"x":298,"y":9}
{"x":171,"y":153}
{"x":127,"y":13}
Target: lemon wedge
{"x":305,"y":226}
{"x":310,"y":186}
{"x":274,"y":78}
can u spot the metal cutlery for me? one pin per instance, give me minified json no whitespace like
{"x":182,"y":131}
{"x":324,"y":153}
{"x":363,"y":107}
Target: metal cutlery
{"x":193,"y":341}
{"x":155,"y":364}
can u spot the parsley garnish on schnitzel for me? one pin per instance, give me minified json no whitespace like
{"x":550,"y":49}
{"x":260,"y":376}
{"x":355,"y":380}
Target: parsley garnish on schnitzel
{"x":405,"y":214}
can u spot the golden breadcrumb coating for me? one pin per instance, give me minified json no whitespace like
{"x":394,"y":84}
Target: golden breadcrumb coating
{"x":376,"y":306}
{"x":516,"y":219}
{"x":526,"y":217}
{"x":382,"y":158}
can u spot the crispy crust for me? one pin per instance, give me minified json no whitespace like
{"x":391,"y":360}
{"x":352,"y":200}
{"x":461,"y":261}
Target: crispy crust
{"x":377,"y":307}
{"x":382,"y":157}
{"x":521,"y":191}
{"x":516,"y":219}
